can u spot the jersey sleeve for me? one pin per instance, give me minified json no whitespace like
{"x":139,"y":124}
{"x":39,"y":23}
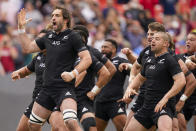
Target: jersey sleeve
{"x":96,"y":64}
{"x":139,"y":59}
{"x":126,"y":72}
{"x":77,"y":42}
{"x":41,"y":42}
{"x":173,"y":66}
{"x":31,"y":66}
{"x":103,"y":59}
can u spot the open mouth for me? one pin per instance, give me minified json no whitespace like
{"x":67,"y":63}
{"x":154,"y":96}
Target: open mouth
{"x":187,"y":46}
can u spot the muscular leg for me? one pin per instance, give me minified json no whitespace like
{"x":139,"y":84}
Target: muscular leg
{"x":71,"y":123}
{"x":175,"y":125}
{"x":164,"y":123}
{"x":23,"y":124}
{"x":88,"y":123}
{"x":134,"y":125}
{"x":181,"y":122}
{"x":101,"y":124}
{"x":119,"y":121}
{"x":41,"y":113}
{"x":131,"y":114}
{"x":56,"y":121}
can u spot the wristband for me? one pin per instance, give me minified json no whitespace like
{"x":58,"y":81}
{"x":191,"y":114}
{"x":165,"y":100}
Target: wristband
{"x":183,"y":97}
{"x":74,"y":73}
{"x":130,"y":66}
{"x":21,"y":31}
{"x":95,"y":89}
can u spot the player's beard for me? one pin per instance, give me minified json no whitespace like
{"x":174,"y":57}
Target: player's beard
{"x":108,"y":55}
{"x":59,"y":27}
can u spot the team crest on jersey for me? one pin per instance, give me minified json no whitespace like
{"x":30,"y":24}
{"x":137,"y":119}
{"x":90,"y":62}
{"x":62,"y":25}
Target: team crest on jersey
{"x":56,"y":43}
{"x":147,"y":52}
{"x":39,"y":58}
{"x":50,"y":36}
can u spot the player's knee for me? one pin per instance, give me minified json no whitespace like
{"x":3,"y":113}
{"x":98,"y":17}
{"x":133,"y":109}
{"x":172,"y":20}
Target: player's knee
{"x":69,"y":117}
{"x":36,"y":120}
{"x":88,"y":122}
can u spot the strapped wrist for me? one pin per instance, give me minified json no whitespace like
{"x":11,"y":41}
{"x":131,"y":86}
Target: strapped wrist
{"x":183,"y":97}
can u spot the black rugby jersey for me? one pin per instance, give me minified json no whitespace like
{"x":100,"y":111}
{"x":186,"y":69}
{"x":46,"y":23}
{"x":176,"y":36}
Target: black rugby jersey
{"x":159,"y":72}
{"x":192,"y":99}
{"x":37,"y":65}
{"x":62,"y":51}
{"x":103,"y":59}
{"x":89,"y":80}
{"x":113,"y":91}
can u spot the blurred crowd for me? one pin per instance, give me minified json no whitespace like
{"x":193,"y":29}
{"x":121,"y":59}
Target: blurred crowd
{"x":126,"y":21}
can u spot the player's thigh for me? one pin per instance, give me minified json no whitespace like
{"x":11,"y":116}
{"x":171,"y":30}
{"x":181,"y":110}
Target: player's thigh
{"x":181,"y":122}
{"x":119,"y":121}
{"x":23,"y":124}
{"x":134,"y":125}
{"x":164,"y":123}
{"x":175,"y":125}
{"x":101,"y":124}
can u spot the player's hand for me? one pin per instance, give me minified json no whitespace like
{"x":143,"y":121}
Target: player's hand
{"x":128,"y":93}
{"x":123,"y":66}
{"x":191,"y":65}
{"x":15,"y":75}
{"x":22,"y":19}
{"x":66,"y":76}
{"x":179,"y":105}
{"x":91,"y":95}
{"x":126,"y":101}
{"x":161,"y":104}
{"x":126,"y":51}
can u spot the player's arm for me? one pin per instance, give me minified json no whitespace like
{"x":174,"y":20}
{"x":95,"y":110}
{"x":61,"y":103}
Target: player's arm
{"x":28,"y":46}
{"x":132,"y":58}
{"x":134,"y":86}
{"x":136,"y":68}
{"x":103,"y":79}
{"x":85,"y":61}
{"x":21,"y":73}
{"x":111,"y":68}
{"x":190,"y":79}
{"x":80,"y":78}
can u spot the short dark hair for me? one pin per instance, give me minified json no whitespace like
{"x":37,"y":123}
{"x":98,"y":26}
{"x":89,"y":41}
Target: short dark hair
{"x":156,"y":26}
{"x":66,"y":15}
{"x":83,"y":31}
{"x":113,"y":42}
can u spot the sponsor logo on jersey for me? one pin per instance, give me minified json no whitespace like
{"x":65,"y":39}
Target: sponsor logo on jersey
{"x":65,"y":37}
{"x":42,"y":65}
{"x":163,"y":111}
{"x":161,"y":61}
{"x":67,"y":93}
{"x":120,"y":110}
{"x":56,"y":43}
{"x":152,"y":67}
{"x":115,"y":62}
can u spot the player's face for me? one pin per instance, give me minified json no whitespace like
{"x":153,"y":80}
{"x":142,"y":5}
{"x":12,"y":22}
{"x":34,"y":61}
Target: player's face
{"x":106,"y":49}
{"x":191,"y":43}
{"x":150,"y":35}
{"x":157,"y":43}
{"x":57,"y":20}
